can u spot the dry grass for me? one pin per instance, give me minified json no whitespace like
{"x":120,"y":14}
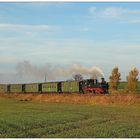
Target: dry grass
{"x":78,"y":98}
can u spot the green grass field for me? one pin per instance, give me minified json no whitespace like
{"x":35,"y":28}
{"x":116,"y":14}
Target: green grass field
{"x":122,"y":85}
{"x":35,"y":119}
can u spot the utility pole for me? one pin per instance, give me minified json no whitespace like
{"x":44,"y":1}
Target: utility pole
{"x":45,"y":78}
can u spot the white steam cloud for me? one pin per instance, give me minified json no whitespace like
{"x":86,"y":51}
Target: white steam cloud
{"x":27,"y":70}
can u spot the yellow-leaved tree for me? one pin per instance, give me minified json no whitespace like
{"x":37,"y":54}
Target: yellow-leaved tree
{"x":132,"y":80}
{"x":114,"y":79}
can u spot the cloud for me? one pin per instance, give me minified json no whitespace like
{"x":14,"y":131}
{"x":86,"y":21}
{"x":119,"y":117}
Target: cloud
{"x":133,"y":21}
{"x":92,"y":9}
{"x":108,"y":12}
{"x":6,"y":59}
{"x":113,"y":12}
{"x":27,"y":27}
{"x":27,"y":31}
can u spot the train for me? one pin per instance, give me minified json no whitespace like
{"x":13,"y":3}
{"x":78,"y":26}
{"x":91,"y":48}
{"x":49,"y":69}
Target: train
{"x":83,"y":86}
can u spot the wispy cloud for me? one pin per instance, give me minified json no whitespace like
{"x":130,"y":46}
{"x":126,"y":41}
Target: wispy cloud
{"x":27,"y":27}
{"x":92,"y":9}
{"x":133,"y":21}
{"x":113,"y":12}
{"x":27,"y":31}
{"x":6,"y":59}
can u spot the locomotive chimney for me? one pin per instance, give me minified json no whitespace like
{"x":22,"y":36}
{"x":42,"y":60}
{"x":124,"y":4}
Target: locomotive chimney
{"x":102,"y":80}
{"x":96,"y":81}
{"x":45,"y":78}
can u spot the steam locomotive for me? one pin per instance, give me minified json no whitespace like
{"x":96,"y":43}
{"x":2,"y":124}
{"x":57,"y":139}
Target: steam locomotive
{"x":84,"y":86}
{"x":93,"y":86}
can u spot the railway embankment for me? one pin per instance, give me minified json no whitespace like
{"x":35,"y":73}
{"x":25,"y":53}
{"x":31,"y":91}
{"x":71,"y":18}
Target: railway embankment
{"x":126,"y":99}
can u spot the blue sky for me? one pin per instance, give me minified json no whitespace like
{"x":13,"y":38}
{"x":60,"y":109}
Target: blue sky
{"x":104,"y":34}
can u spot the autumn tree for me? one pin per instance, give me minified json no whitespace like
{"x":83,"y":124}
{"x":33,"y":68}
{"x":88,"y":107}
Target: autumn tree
{"x":132,"y":80}
{"x":114,"y":79}
{"x":77,"y":77}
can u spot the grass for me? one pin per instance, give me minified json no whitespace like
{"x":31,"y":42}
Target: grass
{"x":26,"y":119}
{"x":123,"y":84}
{"x":125,"y":99}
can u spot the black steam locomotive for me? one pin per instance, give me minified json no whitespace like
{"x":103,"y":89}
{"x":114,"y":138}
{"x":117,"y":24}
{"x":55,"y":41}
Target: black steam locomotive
{"x":93,"y":86}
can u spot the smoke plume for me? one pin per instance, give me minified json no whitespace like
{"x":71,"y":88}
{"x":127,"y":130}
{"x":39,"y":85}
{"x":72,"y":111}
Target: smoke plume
{"x":26,"y":69}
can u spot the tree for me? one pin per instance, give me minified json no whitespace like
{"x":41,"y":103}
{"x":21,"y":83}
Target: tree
{"x":114,"y":79}
{"x":132,"y":80}
{"x":77,"y":77}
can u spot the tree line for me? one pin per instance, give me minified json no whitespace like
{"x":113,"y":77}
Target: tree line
{"x":132,"y":80}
